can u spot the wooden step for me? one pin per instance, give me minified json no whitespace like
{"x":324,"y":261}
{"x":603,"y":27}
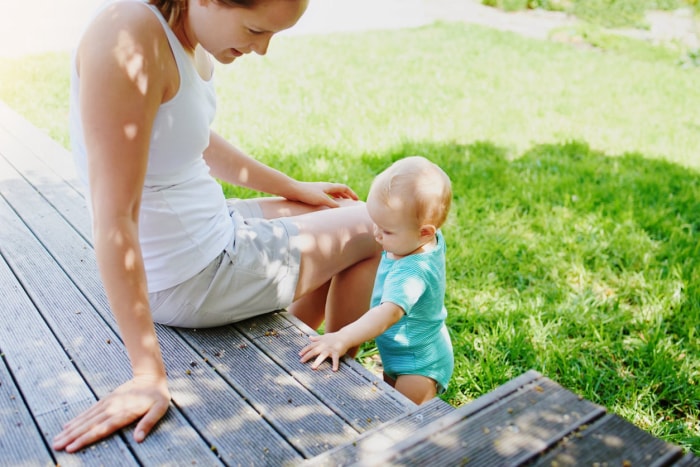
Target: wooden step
{"x":530,"y":420}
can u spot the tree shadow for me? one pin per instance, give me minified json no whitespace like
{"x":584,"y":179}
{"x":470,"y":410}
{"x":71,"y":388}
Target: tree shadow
{"x":581,"y":265}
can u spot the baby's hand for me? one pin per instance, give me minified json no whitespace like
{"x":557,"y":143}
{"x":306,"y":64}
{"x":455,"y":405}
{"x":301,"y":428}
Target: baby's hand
{"x":323,"y":347}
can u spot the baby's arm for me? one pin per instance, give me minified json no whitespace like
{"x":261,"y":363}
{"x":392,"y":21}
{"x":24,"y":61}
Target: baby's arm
{"x":336,"y":344}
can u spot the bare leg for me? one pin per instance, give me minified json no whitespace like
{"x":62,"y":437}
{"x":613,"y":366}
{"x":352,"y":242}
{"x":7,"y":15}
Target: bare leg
{"x":337,"y":245}
{"x":311,"y":308}
{"x":389,"y":380}
{"x":276,"y":207}
{"x":338,"y":262}
{"x":350,"y":295}
{"x":418,"y":388}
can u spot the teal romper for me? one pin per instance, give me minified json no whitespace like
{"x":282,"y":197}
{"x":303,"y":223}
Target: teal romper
{"x":419,"y":343}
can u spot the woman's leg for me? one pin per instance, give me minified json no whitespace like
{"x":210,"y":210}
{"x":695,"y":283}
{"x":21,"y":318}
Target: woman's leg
{"x":337,"y":247}
{"x":339,"y":258}
{"x":311,"y":308}
{"x":274,"y":207}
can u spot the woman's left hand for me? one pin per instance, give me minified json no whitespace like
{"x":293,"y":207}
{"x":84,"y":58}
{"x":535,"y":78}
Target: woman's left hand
{"x":321,"y":193}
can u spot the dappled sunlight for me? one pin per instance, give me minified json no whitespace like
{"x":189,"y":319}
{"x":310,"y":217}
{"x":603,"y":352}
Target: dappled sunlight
{"x":541,"y":331}
{"x":130,"y":260}
{"x":68,"y":384}
{"x":612,"y":441}
{"x":320,"y":166}
{"x":244,"y":175}
{"x":8,"y":174}
{"x":514,"y":440}
{"x":130,"y":57}
{"x":377,"y":444}
{"x":559,"y":248}
{"x":397,"y":203}
{"x":131,"y":131}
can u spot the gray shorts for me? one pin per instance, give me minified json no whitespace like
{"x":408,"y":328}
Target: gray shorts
{"x":256,"y":273}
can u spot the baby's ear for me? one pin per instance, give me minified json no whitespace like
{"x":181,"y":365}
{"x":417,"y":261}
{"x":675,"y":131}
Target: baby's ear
{"x":427,"y":230}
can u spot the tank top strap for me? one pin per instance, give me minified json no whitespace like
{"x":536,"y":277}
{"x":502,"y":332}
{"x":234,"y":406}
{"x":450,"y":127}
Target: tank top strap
{"x":185,"y":65}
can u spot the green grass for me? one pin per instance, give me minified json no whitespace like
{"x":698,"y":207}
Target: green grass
{"x":574,"y":238}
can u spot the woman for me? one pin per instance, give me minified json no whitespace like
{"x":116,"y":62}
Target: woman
{"x":169,"y":247}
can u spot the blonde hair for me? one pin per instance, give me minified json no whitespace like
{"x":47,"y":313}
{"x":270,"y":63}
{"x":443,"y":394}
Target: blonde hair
{"x":416,"y":184}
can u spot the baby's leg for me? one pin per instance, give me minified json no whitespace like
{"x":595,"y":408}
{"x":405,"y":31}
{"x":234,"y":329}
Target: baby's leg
{"x":418,"y":388}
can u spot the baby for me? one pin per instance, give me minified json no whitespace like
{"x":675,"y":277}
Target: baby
{"x":408,"y":203}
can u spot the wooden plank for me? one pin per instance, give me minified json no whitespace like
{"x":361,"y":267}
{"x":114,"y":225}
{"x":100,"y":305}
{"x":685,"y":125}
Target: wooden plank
{"x":80,"y":265}
{"x":293,"y":410}
{"x":46,"y":380}
{"x":611,"y":441}
{"x":358,"y":396}
{"x":59,"y":192}
{"x":511,"y":431}
{"x":230,"y":424}
{"x":503,"y":391}
{"x":689,"y":460}
{"x":21,"y":441}
{"x":55,"y":157}
{"x":93,"y":346}
{"x":38,"y":189}
{"x":375,"y":441}
{"x":76,"y":257}
{"x":284,"y":319}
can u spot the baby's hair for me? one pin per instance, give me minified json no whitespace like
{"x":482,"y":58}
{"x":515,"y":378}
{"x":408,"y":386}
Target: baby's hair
{"x":417,"y":182}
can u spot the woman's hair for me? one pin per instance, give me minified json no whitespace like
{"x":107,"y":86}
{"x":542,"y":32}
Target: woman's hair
{"x":417,"y":184}
{"x":174,"y":10}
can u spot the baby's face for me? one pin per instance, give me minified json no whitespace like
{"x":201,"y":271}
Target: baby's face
{"x":396,"y":231}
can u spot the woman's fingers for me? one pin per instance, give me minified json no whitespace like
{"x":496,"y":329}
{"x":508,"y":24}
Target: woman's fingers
{"x":129,"y":402}
{"x":149,"y":420}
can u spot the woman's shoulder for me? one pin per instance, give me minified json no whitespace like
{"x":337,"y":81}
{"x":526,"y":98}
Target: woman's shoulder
{"x":127,"y":35}
{"x":124,"y":23}
{"x":126,"y":44}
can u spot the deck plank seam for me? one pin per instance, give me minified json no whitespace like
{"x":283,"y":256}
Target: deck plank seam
{"x":243,"y":395}
{"x":33,"y":416}
{"x":20,"y":124}
{"x":108,"y":322}
{"x":557,"y":437}
{"x":249,"y":396}
{"x":351,"y":364}
{"x":39,"y":192}
{"x":96,"y":311}
{"x":326,"y":399}
{"x":36,"y":415}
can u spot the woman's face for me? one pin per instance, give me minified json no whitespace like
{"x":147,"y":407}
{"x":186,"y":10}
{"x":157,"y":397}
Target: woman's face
{"x":228,"y":32}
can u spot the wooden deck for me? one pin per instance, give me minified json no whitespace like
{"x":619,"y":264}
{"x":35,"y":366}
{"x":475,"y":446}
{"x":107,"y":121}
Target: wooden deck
{"x":240,"y":395}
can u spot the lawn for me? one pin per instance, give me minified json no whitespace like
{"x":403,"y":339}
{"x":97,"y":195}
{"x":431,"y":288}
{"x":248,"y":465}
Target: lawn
{"x":574,"y":238}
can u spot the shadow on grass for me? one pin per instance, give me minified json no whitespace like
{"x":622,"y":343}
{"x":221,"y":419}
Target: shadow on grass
{"x":580,"y":265}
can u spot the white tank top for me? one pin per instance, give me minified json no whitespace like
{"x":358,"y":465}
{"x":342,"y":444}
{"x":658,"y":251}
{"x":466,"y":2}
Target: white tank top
{"x":184,"y":222}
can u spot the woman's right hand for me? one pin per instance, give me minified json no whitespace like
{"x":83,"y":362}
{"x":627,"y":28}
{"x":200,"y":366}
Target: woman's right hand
{"x":146,"y":398}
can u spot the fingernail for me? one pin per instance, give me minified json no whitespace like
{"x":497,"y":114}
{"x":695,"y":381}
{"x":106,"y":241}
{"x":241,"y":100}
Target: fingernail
{"x":139,"y":436}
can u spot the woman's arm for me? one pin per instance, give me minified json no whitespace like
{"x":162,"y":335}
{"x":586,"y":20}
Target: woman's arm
{"x":122,"y":85}
{"x":334,"y":345}
{"x":232,"y":165}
